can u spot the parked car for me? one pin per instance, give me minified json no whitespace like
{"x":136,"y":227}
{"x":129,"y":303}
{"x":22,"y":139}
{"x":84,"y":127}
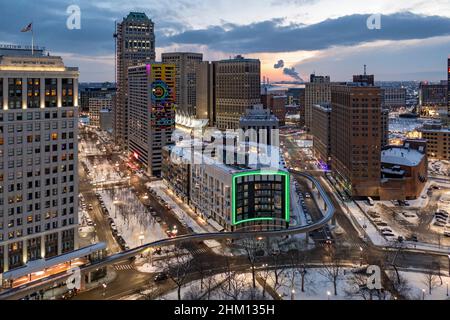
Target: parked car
{"x":158,"y":219}
{"x":439,"y":224}
{"x":408,"y":215}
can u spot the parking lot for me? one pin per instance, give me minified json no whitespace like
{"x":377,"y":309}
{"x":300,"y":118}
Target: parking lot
{"x":429,"y":223}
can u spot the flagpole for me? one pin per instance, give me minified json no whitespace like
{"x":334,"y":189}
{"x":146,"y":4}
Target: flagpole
{"x":32,"y":39}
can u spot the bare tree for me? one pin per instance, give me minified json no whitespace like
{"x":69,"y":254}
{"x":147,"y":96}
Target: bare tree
{"x":357,"y":283}
{"x":194,"y":293}
{"x":332,"y":267}
{"x":251,"y":247}
{"x":298,"y":260}
{"x":178,"y":268}
{"x":234,"y":287}
{"x":263,"y":274}
{"x":279,"y":268}
{"x":210,"y":284}
{"x":398,"y":283}
{"x":430,"y":279}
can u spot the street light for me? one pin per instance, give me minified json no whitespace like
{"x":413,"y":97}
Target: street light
{"x":423,"y":294}
{"x":361,"y":256}
{"x":104,"y":289}
{"x":142,"y":238}
{"x":449,"y":264}
{"x":293,"y":294}
{"x":329,"y":295}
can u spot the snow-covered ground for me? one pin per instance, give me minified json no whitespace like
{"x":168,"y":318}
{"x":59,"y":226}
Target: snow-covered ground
{"x":318,"y":285}
{"x":417,"y":285}
{"x":132,"y":219}
{"x":439,"y":168}
{"x":102,"y":171}
{"x":161,"y":265}
{"x":241,"y":287}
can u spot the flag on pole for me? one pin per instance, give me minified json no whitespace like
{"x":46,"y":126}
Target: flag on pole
{"x":28,"y":28}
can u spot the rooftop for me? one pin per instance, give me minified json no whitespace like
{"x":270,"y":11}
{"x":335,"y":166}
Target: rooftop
{"x":402,"y":156}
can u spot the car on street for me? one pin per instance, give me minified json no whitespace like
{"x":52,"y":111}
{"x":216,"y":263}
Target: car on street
{"x":161,"y":277}
{"x":158,"y":219}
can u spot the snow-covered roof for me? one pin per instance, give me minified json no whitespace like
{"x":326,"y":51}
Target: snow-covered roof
{"x":402,"y":157}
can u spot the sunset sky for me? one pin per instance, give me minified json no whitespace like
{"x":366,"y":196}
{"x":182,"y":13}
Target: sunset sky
{"x":325,"y":36}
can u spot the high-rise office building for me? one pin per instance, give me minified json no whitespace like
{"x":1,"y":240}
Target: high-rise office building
{"x":186,"y":64}
{"x":318,"y":91}
{"x":448,"y":90}
{"x":206,"y":92}
{"x":89,"y":91}
{"x":321,"y":131}
{"x":95,"y":106}
{"x":260,"y":126}
{"x":38,"y":157}
{"x":433,"y":94}
{"x":135,"y":45}
{"x":238,"y":87}
{"x":393,"y":97}
{"x":151,"y":112}
{"x":277,"y":105}
{"x":384,"y":127}
{"x":356,"y":131}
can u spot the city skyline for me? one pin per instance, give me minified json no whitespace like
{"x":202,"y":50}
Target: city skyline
{"x":333,"y":40}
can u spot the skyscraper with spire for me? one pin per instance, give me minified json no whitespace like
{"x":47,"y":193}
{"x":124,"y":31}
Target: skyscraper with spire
{"x":135,"y":45}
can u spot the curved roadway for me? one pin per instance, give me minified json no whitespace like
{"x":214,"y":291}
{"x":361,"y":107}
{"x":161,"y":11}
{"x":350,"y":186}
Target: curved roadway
{"x":327,"y":217}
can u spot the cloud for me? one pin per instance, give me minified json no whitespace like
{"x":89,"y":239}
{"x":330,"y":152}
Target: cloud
{"x":279,"y":64}
{"x":274,"y":36}
{"x":291,"y":72}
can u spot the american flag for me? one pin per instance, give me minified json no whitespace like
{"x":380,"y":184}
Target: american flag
{"x":27,"y":28}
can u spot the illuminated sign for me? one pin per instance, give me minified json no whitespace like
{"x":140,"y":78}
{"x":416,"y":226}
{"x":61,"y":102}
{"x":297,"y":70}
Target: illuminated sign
{"x":160,"y":91}
{"x":234,"y":190}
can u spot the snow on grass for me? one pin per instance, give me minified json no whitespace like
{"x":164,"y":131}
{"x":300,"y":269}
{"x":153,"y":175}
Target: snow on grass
{"x":417,"y":282}
{"x":319,"y":287}
{"x":220,"y":288}
{"x":132,"y":219}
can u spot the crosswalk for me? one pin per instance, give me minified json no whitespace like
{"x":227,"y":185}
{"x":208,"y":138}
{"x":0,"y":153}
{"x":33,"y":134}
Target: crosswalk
{"x":195,"y":250}
{"x":124,"y":267}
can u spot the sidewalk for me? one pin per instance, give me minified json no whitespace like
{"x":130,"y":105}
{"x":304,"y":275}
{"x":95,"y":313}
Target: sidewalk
{"x":184,"y":213}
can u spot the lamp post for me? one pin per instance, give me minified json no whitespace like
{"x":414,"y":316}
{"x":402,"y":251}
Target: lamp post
{"x":293,"y":294}
{"x":423,"y":294}
{"x":104,"y":289}
{"x":142,"y":238}
{"x":329,"y":295}
{"x":449,"y":264}
{"x":361,"y":250}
